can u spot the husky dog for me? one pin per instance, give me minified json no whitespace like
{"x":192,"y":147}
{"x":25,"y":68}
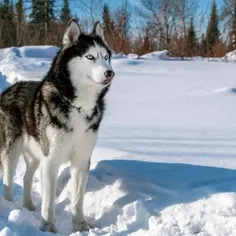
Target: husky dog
{"x":56,"y":121}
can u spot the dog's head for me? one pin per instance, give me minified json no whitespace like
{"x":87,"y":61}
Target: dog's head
{"x":89,"y":55}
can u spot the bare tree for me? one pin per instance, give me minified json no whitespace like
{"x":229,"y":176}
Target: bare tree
{"x":229,"y":17}
{"x":92,"y":11}
{"x":185,"y":9}
{"x":162,"y":16}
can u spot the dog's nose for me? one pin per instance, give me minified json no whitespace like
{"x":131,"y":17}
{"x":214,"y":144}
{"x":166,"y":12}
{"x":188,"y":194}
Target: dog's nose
{"x":109,"y":74}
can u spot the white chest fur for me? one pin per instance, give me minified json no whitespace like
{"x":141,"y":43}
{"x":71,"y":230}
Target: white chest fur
{"x":77,"y":138}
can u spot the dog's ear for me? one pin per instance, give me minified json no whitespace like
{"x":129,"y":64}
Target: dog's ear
{"x":98,"y":30}
{"x":72,"y":33}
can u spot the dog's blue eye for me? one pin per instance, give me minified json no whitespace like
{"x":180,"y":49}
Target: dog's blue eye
{"x":90,"y":57}
{"x":106,"y":57}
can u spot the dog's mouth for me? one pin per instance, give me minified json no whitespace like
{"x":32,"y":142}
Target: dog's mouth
{"x":106,"y":82}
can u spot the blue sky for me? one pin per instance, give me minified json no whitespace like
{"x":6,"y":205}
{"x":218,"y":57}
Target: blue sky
{"x":204,"y":8}
{"x":204,"y":5}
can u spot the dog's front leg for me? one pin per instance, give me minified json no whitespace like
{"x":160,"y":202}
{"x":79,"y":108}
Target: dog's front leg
{"x":49,"y":171}
{"x":80,"y":163}
{"x":79,"y":177}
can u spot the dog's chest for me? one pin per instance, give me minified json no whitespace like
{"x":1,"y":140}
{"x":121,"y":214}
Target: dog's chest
{"x":79,"y":135}
{"x":76,"y":136}
{"x":79,"y":128}
{"x":80,"y":122}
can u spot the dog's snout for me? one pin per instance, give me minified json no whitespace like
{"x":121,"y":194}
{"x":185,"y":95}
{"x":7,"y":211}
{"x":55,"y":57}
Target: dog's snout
{"x":109,"y":74}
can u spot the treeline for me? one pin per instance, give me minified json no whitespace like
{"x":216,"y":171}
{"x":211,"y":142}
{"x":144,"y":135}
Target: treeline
{"x":176,"y":25}
{"x":185,"y":30}
{"x":31,"y":22}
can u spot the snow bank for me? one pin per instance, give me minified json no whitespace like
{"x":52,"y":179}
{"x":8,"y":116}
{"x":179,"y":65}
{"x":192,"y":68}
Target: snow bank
{"x":157,"y":55}
{"x":39,"y":52}
{"x":230,"y":56}
{"x":118,"y":56}
{"x":29,"y":51}
{"x":132,"y":56}
{"x":26,"y":63}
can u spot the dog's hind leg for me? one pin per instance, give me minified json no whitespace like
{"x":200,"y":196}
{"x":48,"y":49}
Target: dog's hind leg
{"x":31,"y":166}
{"x":9,"y":157}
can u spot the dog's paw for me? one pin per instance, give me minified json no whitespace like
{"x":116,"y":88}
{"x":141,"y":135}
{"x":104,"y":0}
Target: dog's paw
{"x":48,"y":227}
{"x":82,"y":226}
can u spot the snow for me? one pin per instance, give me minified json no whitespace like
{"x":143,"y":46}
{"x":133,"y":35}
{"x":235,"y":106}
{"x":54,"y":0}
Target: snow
{"x":164,"y":163}
{"x":26,"y":63}
{"x":157,"y":55}
{"x":230,"y":56}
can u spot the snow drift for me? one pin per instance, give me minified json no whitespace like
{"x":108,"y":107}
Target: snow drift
{"x":29,"y":51}
{"x":230,"y":56}
{"x":157,"y":55}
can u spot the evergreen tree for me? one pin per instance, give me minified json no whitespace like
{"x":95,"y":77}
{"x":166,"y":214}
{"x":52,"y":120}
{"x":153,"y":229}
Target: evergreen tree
{"x":203,"y":45}
{"x":65,"y":12}
{"x":8,"y":31}
{"x":19,"y":10}
{"x":191,"y":39}
{"x":213,"y":33}
{"x":20,"y":22}
{"x":42,"y":15}
{"x":107,"y":21}
{"x":108,"y":24}
{"x":42,"y":11}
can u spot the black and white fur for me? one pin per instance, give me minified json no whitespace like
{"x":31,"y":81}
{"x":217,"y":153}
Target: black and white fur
{"x":56,"y":121}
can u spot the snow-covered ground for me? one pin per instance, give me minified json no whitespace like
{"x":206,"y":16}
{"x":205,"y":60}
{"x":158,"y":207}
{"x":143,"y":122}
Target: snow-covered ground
{"x":165,"y":160}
